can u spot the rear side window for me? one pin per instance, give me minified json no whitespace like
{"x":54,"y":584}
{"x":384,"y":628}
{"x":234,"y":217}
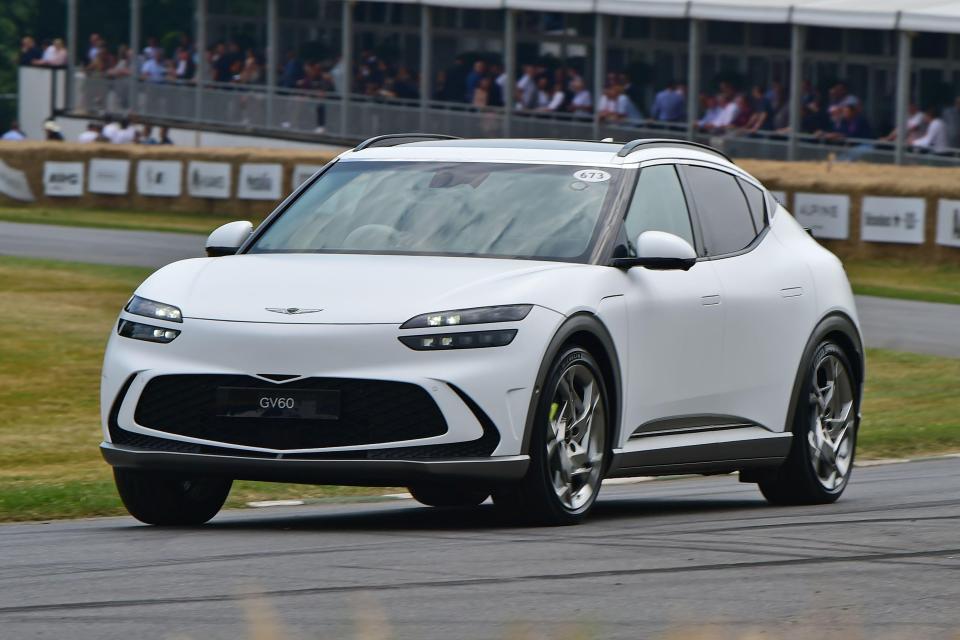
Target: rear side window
{"x":723,"y":210}
{"x":755,"y":200}
{"x":658,"y":204}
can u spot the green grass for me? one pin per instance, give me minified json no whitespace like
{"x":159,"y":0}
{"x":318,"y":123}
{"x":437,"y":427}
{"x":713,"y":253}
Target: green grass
{"x":905,"y":280}
{"x":54,"y":321}
{"x":199,"y":223}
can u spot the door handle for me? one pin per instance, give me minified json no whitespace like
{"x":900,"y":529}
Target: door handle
{"x":791,"y":292}
{"x":711,"y":300}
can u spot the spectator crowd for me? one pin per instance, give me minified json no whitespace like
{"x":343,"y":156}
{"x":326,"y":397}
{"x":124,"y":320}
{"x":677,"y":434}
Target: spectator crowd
{"x":478,"y":82}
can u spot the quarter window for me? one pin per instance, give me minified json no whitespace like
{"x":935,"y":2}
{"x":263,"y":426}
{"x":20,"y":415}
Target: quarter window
{"x":755,"y":200}
{"x":658,"y":204}
{"x":723,"y":211}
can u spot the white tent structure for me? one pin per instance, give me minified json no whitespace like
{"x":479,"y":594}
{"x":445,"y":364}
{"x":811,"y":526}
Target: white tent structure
{"x":938,"y":16}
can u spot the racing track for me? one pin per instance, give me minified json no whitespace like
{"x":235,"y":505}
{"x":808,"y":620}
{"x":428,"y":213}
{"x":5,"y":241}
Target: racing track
{"x":657,"y":556}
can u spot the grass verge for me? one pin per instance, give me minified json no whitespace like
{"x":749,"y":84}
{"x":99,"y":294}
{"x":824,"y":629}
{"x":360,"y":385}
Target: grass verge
{"x":199,"y":223}
{"x":55,"y":318}
{"x":905,"y":280}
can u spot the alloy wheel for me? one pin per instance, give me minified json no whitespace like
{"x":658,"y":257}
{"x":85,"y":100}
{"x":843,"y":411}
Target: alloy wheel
{"x":576,"y":436}
{"x":832,"y":416}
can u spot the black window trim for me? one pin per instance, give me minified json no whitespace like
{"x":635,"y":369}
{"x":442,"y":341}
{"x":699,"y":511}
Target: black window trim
{"x":695,"y":213}
{"x":622,"y":209}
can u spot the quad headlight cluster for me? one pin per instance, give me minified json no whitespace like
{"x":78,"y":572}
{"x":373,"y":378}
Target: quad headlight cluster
{"x":464,"y":339}
{"x":148,"y":332}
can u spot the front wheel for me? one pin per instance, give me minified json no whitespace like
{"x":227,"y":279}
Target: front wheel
{"x":824,"y":434}
{"x":567,"y":447}
{"x":168,"y":499}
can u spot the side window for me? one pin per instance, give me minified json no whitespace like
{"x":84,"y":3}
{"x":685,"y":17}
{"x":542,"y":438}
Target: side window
{"x":724,"y":214}
{"x":755,"y":199}
{"x":658,"y":204}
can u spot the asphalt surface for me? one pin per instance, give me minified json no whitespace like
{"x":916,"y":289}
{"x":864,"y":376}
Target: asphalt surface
{"x":656,"y":557}
{"x":99,"y":246}
{"x":902,"y":325}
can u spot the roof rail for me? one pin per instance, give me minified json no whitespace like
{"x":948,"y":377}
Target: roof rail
{"x":633,"y":145}
{"x":394,"y":139}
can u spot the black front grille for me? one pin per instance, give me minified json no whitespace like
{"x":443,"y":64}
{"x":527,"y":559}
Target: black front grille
{"x":371,"y":412}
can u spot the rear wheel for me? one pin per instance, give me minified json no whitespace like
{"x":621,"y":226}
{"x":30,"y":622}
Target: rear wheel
{"x":567,"y":447}
{"x":438,"y":496}
{"x":824,"y":435}
{"x":170,"y":499}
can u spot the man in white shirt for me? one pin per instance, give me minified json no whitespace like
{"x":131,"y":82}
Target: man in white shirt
{"x":613,"y":105}
{"x":935,"y":138}
{"x":527,"y":86}
{"x":92,"y":134}
{"x":126,"y":134}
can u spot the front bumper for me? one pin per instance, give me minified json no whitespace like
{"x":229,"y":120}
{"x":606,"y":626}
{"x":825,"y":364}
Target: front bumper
{"x":320,"y":471}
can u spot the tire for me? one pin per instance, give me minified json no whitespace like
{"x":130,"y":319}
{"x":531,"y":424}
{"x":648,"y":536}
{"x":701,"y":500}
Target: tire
{"x":829,"y":397}
{"x":170,"y":500}
{"x":438,"y":496}
{"x":554,"y":491}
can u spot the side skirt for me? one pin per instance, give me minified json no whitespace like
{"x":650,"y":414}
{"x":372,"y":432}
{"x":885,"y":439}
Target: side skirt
{"x":722,"y":450}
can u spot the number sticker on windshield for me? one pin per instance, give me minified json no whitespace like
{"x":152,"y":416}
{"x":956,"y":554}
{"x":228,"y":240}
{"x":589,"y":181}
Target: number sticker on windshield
{"x":591,"y":175}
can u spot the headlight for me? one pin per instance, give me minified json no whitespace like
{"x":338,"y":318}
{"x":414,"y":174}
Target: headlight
{"x":465,"y":340}
{"x":146,"y":332}
{"x":151,"y":309}
{"x":477,"y":315}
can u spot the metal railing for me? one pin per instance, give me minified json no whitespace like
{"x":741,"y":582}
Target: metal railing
{"x":252,"y":109}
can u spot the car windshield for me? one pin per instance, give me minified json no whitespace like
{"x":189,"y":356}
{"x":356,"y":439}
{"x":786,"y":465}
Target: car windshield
{"x":547,"y":212}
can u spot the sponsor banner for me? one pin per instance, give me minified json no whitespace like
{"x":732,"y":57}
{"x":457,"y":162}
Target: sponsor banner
{"x":161,"y":178}
{"x":827,"y":215}
{"x":259,"y":181}
{"x":780,"y":196}
{"x":208,"y":179}
{"x":108,"y":176}
{"x":13,"y":183}
{"x":303,"y":172}
{"x":892,"y":219}
{"x":63,"y":179}
{"x":948,"y":223}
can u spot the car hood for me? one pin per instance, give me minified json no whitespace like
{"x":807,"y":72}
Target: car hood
{"x":361,"y":289}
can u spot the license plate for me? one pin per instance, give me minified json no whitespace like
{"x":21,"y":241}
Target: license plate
{"x":296,"y":404}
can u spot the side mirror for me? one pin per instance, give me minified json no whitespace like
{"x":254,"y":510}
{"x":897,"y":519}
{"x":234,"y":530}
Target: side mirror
{"x":225,"y":240}
{"x":660,"y":250}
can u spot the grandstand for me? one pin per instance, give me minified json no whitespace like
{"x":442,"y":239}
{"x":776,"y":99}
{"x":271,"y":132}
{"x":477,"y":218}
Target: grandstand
{"x":889,"y":54}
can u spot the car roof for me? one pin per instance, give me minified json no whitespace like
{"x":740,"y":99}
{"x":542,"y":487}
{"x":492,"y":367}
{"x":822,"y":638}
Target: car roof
{"x":586,"y":152}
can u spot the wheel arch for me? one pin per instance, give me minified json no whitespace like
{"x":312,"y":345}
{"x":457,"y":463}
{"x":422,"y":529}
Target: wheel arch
{"x":586,"y":330}
{"x":839,"y":327}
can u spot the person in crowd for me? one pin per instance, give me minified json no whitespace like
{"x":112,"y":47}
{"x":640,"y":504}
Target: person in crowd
{"x":96,"y":46}
{"x":52,"y":131}
{"x":252,"y":71}
{"x":126,"y":133}
{"x":482,"y":92}
{"x":154,"y":69}
{"x":293,"y":71}
{"x":710,"y":108}
{"x":527,"y":88}
{"x":613,"y":105}
{"x":121,"y":65}
{"x":164,"y":136}
{"x":581,"y":101}
{"x":852,"y":124}
{"x":760,"y":113}
{"x":185,"y":67}
{"x":916,"y":125}
{"x":726,"y":113}
{"x":110,"y":127}
{"x":669,"y":105}
{"x":55,"y":55}
{"x":152,"y":48}
{"x":935,"y":137}
{"x":93,"y":133}
{"x":14,"y":133}
{"x":478,"y":71}
{"x":29,"y":51}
